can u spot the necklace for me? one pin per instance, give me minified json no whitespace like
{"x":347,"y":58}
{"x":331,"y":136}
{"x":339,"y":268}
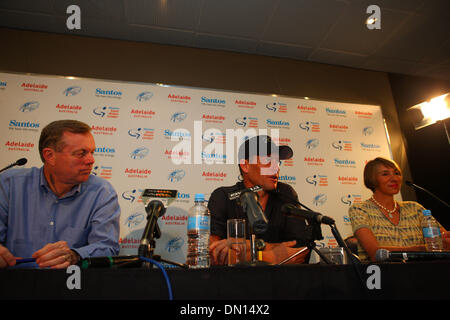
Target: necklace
{"x":389,"y":212}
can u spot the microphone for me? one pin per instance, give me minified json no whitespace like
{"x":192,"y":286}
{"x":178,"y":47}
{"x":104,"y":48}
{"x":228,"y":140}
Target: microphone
{"x":19,"y":162}
{"x":109,"y":262}
{"x":310,"y":215}
{"x":256,"y":217}
{"x":154,"y":209}
{"x":289,"y":199}
{"x":386,"y":255}
{"x":237,"y":194}
{"x":409,"y":183}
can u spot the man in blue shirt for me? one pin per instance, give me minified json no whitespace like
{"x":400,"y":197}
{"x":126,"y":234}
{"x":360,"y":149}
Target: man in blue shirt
{"x":59,"y":213}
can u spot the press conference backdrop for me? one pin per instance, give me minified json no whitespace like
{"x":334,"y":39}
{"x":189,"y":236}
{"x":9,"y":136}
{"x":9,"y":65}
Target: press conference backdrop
{"x":147,"y":134}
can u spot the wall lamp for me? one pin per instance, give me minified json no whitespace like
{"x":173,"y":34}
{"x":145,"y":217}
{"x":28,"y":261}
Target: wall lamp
{"x":429,"y":112}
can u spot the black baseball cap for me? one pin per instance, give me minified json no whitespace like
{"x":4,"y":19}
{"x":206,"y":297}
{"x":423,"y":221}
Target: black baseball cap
{"x":263,"y":146}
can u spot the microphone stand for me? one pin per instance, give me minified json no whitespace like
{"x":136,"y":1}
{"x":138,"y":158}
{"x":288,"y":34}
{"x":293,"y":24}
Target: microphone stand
{"x":148,"y":244}
{"x":311,"y":246}
{"x":254,"y":226}
{"x":409,"y":183}
{"x":7,"y":167}
{"x":254,"y":259}
{"x":152,"y":231}
{"x":318,"y":236}
{"x":147,"y":248}
{"x":19,"y":162}
{"x":354,"y":259}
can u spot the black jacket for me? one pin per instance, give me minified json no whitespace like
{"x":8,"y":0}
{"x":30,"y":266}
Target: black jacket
{"x":281,"y":227}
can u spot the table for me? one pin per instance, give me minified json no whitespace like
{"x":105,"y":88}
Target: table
{"x":424,"y":280}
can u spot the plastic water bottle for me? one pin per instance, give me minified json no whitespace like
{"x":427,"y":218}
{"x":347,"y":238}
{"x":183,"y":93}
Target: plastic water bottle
{"x":431,"y":232}
{"x":198,"y":231}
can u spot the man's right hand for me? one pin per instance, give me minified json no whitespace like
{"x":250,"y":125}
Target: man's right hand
{"x":277,"y":252}
{"x":218,"y":250}
{"x":6,"y":258}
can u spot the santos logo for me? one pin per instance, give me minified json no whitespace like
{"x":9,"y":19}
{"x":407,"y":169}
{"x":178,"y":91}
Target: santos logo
{"x":104,"y":150}
{"x":335,"y":112}
{"x":213,"y":157}
{"x":370,"y":146}
{"x":23,"y":124}
{"x":108,"y":93}
{"x":177,"y":134}
{"x":213,"y":101}
{"x":344,"y":162}
{"x":277,"y":123}
{"x":181,"y":195}
{"x":29,"y":106}
{"x":288,"y":179}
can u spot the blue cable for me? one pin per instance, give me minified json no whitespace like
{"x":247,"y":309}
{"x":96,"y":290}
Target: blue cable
{"x":169,"y":286}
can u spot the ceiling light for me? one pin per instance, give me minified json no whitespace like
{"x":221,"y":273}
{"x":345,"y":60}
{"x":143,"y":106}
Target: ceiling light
{"x":371,"y":20}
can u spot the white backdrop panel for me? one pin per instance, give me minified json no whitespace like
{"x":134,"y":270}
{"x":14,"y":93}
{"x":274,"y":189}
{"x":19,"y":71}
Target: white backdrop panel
{"x":136,"y":126}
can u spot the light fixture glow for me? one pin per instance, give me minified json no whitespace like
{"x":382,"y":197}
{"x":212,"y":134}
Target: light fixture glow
{"x":437,"y":109}
{"x":431,"y":111}
{"x":371,"y":20}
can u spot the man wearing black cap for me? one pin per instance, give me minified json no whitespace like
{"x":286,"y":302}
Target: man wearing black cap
{"x":259,"y":160}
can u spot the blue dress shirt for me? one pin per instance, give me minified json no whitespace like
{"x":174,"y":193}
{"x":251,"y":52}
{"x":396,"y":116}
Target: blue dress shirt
{"x":31,"y":215}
